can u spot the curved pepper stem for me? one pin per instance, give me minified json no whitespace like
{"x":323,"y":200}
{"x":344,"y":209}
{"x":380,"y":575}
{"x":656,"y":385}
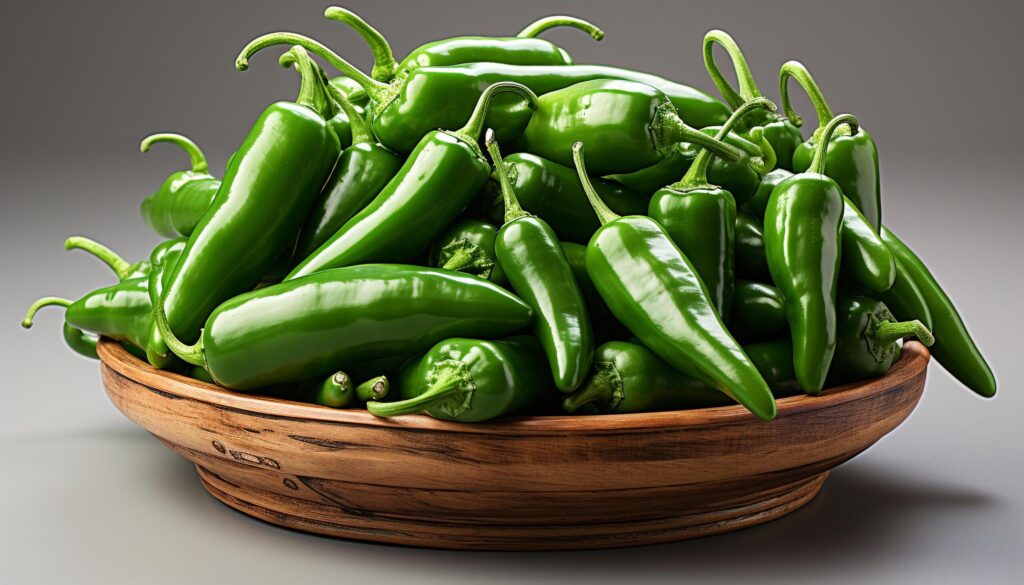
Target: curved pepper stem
{"x":818,"y":162}
{"x":797,"y":71}
{"x":604,"y":214}
{"x":475,"y":125}
{"x":889,"y":332}
{"x":361,"y":133}
{"x":384,"y":65}
{"x":603,"y":389}
{"x":121,"y":267}
{"x":198,"y":159}
{"x":192,"y":354}
{"x":513,"y":210}
{"x":313,"y":90}
{"x":39,"y":304}
{"x":540,"y":25}
{"x":376,"y":90}
{"x":450,"y":384}
{"x":696,"y":176}
{"x":748,"y":89}
{"x":669,"y":129}
{"x":373,"y":389}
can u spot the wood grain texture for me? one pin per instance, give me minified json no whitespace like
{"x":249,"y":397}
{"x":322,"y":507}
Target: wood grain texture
{"x":532,"y":483}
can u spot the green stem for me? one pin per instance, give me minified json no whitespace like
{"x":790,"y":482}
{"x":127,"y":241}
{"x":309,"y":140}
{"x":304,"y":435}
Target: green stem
{"x":601,"y":389}
{"x":797,"y":71}
{"x":669,"y":130}
{"x":39,"y":304}
{"x":475,"y":125}
{"x":748,"y":87}
{"x":376,"y":90}
{"x":192,"y":354}
{"x":121,"y":267}
{"x":540,"y":25}
{"x":199,"y":164}
{"x":384,"y":65}
{"x":513,"y":210}
{"x":604,"y":214}
{"x":696,"y":176}
{"x":313,"y":90}
{"x":768,"y":158}
{"x":890,"y":332}
{"x":373,"y":389}
{"x":450,"y":382}
{"x":361,"y":133}
{"x":818,"y":162}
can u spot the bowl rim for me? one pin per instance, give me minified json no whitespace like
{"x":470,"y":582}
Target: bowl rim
{"x":112,"y":355}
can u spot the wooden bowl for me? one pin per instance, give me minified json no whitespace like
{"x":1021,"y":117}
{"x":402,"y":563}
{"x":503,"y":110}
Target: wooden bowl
{"x":536,"y":483}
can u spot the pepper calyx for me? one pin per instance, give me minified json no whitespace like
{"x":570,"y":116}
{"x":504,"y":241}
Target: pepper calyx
{"x":604,"y":389}
{"x":462,"y":255}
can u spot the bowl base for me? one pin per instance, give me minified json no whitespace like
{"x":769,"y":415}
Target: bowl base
{"x":751,"y":510}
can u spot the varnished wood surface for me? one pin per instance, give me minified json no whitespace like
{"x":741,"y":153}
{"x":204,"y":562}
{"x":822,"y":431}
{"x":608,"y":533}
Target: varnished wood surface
{"x":516,"y":484}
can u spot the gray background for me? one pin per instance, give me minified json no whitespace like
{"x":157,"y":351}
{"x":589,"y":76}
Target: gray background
{"x":88,"y":497}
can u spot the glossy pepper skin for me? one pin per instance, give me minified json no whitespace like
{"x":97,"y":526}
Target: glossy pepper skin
{"x":360,"y":174}
{"x":655,"y":292}
{"x":781,"y":133}
{"x":523,"y":49}
{"x":774,"y":359}
{"x":472,"y":380}
{"x":442,"y":97}
{"x":176,"y":208}
{"x":867,"y":261}
{"x":751,"y":262}
{"x":315,"y":325}
{"x":867,"y":341}
{"x":531,"y":256}
{"x":606,"y":327}
{"x":802,"y":237}
{"x":954,"y":348}
{"x":628,"y":377}
{"x":468,"y":246}
{"x":163,"y":259}
{"x":758,"y":312}
{"x":269,"y":187}
{"x":905,"y":299}
{"x":437,"y":181}
{"x":852,"y":159}
{"x":628,"y":126}
{"x":553,"y":193}
{"x":701,"y":219}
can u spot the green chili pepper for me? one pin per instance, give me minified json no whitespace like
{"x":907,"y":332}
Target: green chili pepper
{"x":522,"y":49}
{"x":905,"y":299}
{"x":802,"y":238}
{"x":79,"y":341}
{"x":529,"y":253}
{"x":351,"y":89}
{"x":470,"y":380}
{"x":782,"y":134}
{"x":163,"y":259}
{"x":121,"y":267}
{"x":428,"y":98}
{"x":758,"y":311}
{"x":360,"y":174}
{"x":954,"y":349}
{"x":120,"y":311}
{"x":606,"y":327}
{"x":701,"y":219}
{"x":867,"y":339}
{"x":268,"y":189}
{"x":553,"y":193}
{"x":654,"y":290}
{"x":468,"y":246}
{"x":627,"y":377}
{"x":179,"y":204}
{"x":315,"y":325}
{"x":336,"y":391}
{"x":774,"y":359}
{"x":642,"y":119}
{"x":751,"y":262}
{"x":867,"y":261}
{"x":852,"y":159}
{"x":438,"y":181}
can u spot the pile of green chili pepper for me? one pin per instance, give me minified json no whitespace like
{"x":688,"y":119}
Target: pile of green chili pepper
{"x":640,"y":246}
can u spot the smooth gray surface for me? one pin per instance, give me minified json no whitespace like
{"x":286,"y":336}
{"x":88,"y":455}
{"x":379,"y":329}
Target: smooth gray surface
{"x":88,"y":497}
